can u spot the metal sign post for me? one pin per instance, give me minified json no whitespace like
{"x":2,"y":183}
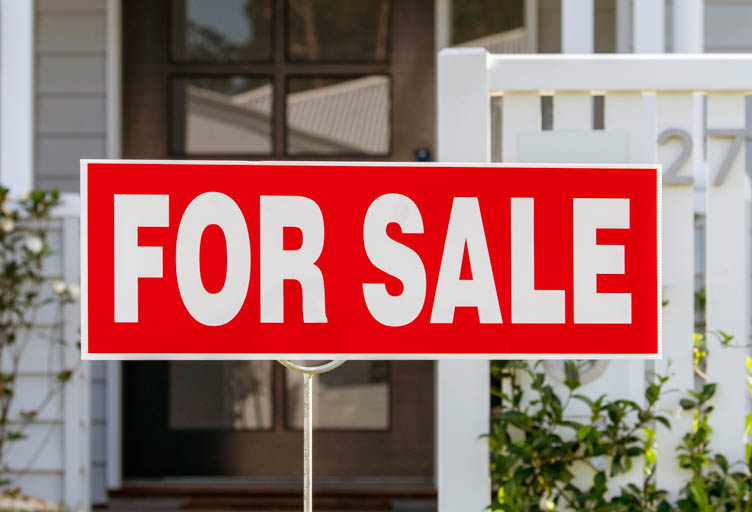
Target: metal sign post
{"x":308,"y":374}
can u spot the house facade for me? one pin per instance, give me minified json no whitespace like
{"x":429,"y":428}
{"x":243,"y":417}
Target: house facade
{"x":269,"y":80}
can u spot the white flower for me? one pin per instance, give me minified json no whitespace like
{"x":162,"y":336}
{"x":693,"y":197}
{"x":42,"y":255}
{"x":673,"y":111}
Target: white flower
{"x":34,"y":244}
{"x":23,"y":197}
{"x":7,"y":225}
{"x":74,"y":290}
{"x":599,"y":463}
{"x":58,"y":286}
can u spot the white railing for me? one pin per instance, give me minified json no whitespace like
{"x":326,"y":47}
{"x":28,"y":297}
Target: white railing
{"x":652,"y":113}
{"x":54,"y":461}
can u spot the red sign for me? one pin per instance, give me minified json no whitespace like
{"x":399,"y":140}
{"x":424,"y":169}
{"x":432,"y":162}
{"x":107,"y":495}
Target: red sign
{"x":231,"y":260}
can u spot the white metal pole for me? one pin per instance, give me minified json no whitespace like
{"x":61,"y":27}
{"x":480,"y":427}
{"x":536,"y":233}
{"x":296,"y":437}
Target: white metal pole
{"x":308,"y":442}
{"x":308,"y":374}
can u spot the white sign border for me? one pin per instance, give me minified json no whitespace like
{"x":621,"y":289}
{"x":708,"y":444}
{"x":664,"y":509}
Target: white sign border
{"x":87,"y":356}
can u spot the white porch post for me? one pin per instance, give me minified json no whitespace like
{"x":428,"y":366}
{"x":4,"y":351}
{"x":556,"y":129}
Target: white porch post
{"x":623,"y":26}
{"x":531,"y":25}
{"x":689,"y":26}
{"x":648,"y":26}
{"x":76,"y":394}
{"x":17,"y":94}
{"x":462,"y":387}
{"x":577,"y":26}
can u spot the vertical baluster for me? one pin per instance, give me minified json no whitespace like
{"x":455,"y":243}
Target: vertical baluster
{"x":675,"y":128}
{"x":727,"y":272}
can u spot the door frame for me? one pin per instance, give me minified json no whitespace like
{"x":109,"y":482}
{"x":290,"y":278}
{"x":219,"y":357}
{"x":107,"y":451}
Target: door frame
{"x":114,"y":119}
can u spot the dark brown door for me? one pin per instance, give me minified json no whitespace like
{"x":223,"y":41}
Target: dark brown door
{"x":373,"y":419}
{"x":277,"y":79}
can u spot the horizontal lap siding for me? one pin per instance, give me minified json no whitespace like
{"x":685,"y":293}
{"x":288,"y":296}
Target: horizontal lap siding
{"x":70,"y":124}
{"x":70,"y":89}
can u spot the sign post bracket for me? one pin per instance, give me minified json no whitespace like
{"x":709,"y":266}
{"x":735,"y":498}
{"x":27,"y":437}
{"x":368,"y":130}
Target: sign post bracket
{"x":308,"y":373}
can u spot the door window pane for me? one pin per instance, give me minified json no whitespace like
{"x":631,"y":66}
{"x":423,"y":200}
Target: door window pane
{"x":355,"y":396}
{"x":328,"y":116}
{"x":221,"y":395}
{"x":221,"y":115}
{"x":338,"y":30}
{"x":221,"y":30}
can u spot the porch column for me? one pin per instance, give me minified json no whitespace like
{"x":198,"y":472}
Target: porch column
{"x":17,"y":95}
{"x":623,"y":26}
{"x":648,"y":26}
{"x":531,"y":25}
{"x":463,"y":386}
{"x":577,"y":26}
{"x":689,"y":26}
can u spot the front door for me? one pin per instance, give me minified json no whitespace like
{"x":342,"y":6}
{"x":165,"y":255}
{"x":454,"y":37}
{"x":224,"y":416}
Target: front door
{"x":238,"y":418}
{"x":277,"y":79}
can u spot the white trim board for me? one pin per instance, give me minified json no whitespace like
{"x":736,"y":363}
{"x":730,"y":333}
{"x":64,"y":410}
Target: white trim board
{"x":618,"y":72}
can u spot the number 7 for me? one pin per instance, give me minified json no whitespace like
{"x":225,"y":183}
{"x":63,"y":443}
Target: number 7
{"x":738,"y":135}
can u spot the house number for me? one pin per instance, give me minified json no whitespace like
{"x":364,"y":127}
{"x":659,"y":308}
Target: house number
{"x":671,"y":174}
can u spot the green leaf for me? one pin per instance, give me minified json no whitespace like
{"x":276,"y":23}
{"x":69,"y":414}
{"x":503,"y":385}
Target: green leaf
{"x":516,"y":418}
{"x":583,"y":432}
{"x":686,"y":403}
{"x":725,"y":338}
{"x":748,"y":426}
{"x":663,"y":421}
{"x":722,"y":462}
{"x":572,"y":375}
{"x":14,"y":436}
{"x":697,"y":489}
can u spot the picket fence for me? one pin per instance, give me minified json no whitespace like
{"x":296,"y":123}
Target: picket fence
{"x":686,"y":112}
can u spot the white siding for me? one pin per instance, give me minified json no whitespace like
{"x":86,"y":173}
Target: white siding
{"x":70,"y":124}
{"x":70,"y":89}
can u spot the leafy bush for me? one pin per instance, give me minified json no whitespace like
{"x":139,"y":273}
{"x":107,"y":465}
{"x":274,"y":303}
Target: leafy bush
{"x":536,"y":447}
{"x":24,"y":225}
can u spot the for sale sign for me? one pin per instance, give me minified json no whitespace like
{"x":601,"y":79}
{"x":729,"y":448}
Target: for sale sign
{"x":268,"y":260}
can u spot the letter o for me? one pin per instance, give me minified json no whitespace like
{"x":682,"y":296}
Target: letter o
{"x":213,"y":309}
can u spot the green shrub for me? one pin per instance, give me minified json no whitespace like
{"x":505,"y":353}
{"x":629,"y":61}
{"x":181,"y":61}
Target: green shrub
{"x":536,"y":446}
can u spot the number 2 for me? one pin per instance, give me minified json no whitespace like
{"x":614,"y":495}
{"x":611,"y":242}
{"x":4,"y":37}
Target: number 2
{"x":671,"y":175}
